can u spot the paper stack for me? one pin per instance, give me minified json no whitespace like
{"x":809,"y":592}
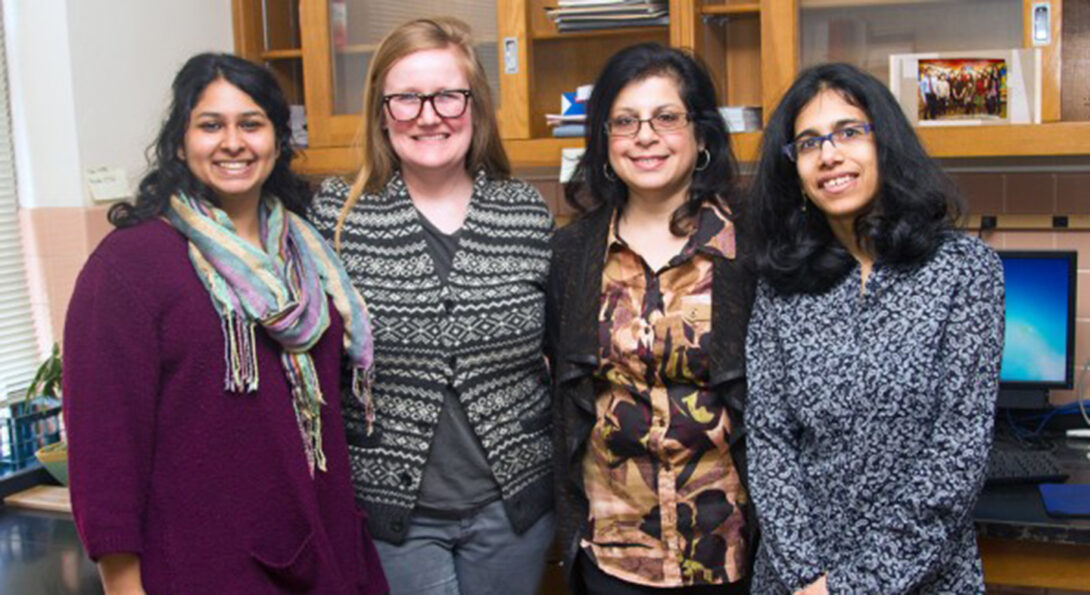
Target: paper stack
{"x":741,"y":118}
{"x":586,"y":15}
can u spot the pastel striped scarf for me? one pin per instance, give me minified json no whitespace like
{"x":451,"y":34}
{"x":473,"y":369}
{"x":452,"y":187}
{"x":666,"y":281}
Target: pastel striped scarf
{"x":283,"y":288}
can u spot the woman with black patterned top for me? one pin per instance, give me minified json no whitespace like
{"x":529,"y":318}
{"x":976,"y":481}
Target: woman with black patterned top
{"x":873,"y":352}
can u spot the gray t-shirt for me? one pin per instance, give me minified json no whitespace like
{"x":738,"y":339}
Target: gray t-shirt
{"x":457,"y":478}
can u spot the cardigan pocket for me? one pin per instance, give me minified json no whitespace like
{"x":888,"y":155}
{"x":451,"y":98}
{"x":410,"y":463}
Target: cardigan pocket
{"x":294,"y":568}
{"x":357,"y":436}
{"x":537,"y":422}
{"x":280,"y":537}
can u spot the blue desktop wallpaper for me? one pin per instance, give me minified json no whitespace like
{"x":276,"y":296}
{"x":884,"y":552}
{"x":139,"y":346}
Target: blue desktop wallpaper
{"x":1035,"y":342}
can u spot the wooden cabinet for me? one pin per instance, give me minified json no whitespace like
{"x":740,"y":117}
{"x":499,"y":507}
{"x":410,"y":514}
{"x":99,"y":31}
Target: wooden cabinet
{"x":754,"y":48}
{"x":749,"y":47}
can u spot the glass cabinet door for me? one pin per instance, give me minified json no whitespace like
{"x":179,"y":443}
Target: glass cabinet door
{"x":866,"y":32}
{"x":341,"y":36}
{"x":357,"y":26}
{"x":267,"y":32}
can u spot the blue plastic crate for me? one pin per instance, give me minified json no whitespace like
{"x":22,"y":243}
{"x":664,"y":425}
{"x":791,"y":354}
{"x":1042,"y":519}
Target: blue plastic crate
{"x":28,"y":426}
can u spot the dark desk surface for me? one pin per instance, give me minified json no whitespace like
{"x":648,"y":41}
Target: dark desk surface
{"x":1016,"y":511}
{"x":40,"y":554}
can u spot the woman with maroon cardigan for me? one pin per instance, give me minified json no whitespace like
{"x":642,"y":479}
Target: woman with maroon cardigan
{"x":205,"y":348}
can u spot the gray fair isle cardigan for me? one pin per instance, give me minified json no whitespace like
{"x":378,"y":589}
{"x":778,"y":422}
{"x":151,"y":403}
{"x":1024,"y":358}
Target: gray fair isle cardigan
{"x":480,"y":333}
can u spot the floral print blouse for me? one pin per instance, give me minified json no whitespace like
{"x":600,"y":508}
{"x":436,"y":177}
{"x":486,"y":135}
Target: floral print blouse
{"x":664,"y":495}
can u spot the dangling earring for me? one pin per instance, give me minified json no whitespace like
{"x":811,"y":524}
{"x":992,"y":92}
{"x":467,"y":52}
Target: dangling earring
{"x":804,"y":200}
{"x":707,"y":155}
{"x":608,"y":173}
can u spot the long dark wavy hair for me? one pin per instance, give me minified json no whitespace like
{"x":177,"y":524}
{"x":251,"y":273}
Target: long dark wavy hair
{"x":716,"y":183}
{"x":915,"y":206}
{"x":168,"y":173}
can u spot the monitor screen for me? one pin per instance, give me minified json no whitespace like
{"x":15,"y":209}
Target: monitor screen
{"x":1039,"y":342}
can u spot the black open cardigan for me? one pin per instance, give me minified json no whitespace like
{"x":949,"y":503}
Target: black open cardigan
{"x":573,"y":294}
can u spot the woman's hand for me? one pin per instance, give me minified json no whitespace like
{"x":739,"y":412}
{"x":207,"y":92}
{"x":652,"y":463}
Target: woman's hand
{"x":121,"y":574}
{"x":818,"y":587}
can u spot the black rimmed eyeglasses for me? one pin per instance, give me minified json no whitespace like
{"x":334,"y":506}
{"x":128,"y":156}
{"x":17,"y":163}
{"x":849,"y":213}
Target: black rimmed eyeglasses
{"x":660,"y":122}
{"x":449,"y":103}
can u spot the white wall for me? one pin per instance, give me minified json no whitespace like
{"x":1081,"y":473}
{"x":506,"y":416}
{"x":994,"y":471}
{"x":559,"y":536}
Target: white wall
{"x":90,"y":82}
{"x":42,"y":105}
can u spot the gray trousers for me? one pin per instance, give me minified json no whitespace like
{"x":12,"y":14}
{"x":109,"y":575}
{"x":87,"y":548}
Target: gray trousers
{"x":477,"y":555}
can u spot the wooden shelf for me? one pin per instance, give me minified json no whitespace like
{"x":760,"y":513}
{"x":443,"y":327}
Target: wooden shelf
{"x":287,"y":54}
{"x":1034,"y":564}
{"x":538,"y":152}
{"x":598,"y":33}
{"x":1040,"y":140}
{"x":808,"y":4}
{"x":751,"y":8}
{"x":1021,"y":140}
{"x":42,"y":497}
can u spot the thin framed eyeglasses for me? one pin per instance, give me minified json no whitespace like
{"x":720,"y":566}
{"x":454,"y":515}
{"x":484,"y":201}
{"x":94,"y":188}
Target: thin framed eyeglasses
{"x":660,"y":122}
{"x":811,"y":145}
{"x":448,"y":103}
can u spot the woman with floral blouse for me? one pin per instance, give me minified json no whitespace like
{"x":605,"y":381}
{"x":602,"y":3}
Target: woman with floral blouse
{"x":647,"y":306}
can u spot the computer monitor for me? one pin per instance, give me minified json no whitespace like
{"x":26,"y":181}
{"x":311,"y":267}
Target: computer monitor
{"x":1039,"y":336}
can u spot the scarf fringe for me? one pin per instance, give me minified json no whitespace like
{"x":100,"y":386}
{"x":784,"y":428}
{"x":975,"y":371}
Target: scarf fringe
{"x":307,"y":400}
{"x":240,"y":354}
{"x":363,"y":382}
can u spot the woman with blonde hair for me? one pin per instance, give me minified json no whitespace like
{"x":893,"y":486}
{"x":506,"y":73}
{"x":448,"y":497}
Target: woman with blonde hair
{"x":452,"y":255}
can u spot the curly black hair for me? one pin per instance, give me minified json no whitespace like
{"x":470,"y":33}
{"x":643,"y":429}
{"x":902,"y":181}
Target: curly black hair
{"x":168,"y":173}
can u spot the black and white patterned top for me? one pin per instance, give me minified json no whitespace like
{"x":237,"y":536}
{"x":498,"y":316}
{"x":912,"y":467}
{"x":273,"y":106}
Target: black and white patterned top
{"x":869,"y":422}
{"x":479,"y":334}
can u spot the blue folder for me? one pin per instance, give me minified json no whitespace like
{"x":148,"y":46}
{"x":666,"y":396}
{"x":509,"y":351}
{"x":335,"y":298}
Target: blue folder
{"x":1066,"y":499}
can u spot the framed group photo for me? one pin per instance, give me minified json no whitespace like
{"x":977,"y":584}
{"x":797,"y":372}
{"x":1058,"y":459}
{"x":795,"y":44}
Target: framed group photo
{"x":968,"y":88}
{"x":957,"y":89}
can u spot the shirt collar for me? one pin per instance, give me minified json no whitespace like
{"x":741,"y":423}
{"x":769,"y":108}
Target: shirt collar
{"x":713,"y":233}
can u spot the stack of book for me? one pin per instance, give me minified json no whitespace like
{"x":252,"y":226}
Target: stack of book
{"x":587,"y":15}
{"x":571,"y":121}
{"x":567,"y":126}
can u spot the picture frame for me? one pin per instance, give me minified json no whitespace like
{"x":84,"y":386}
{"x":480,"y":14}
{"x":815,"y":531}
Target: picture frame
{"x":968,"y":88}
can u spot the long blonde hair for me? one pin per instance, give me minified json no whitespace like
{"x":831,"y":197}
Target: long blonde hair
{"x":379,"y":162}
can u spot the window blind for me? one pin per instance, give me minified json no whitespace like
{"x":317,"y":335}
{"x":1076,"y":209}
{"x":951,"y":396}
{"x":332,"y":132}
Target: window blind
{"x":18,"y":343}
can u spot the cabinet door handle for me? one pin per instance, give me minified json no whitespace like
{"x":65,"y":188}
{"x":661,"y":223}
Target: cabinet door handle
{"x":1042,"y":23}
